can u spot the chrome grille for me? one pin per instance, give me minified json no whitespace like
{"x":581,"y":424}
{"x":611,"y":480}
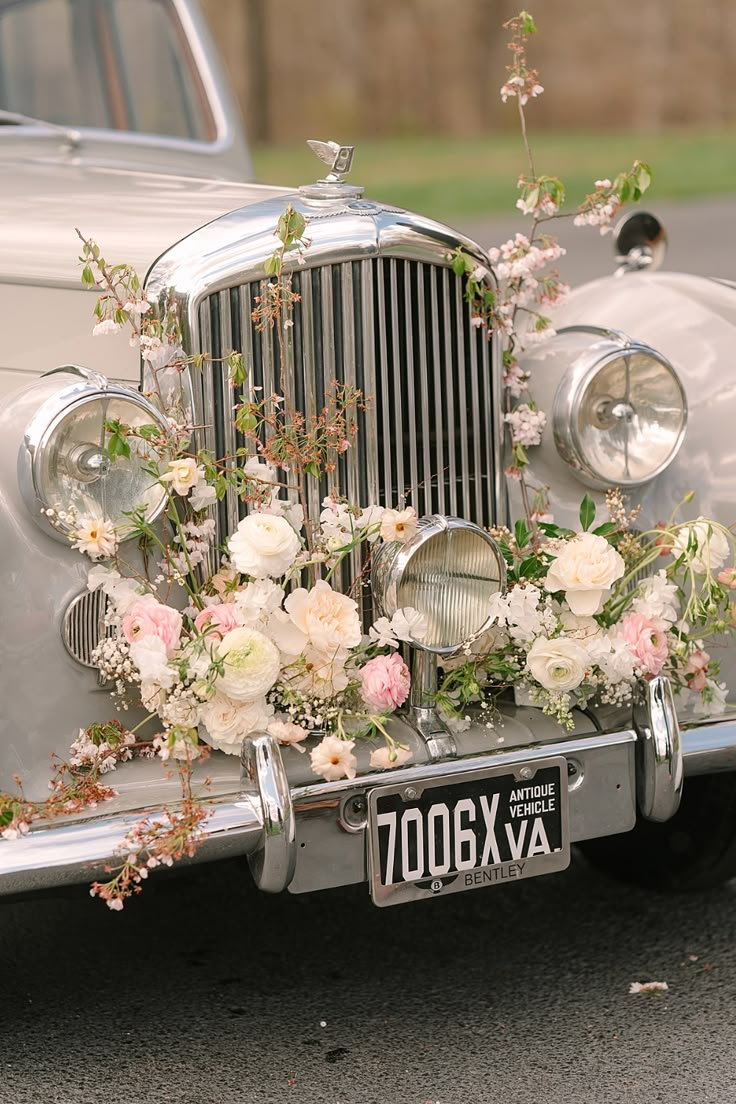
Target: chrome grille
{"x":399,"y":330}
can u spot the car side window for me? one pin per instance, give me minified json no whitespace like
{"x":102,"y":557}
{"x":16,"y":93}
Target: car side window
{"x":111,"y":64}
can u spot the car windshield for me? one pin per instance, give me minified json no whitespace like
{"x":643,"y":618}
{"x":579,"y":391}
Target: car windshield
{"x":110,"y":64}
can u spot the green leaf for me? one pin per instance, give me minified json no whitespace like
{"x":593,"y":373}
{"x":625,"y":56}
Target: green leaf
{"x":312,"y":469}
{"x":272,"y":264}
{"x":148,"y":432}
{"x":521,"y":533}
{"x":587,"y":513}
{"x":643,"y":176}
{"x":527,"y":23}
{"x":606,"y":529}
{"x":87,"y":278}
{"x":459,"y":263}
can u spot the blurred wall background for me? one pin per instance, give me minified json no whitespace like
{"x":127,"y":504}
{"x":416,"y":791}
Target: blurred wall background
{"x":346,"y":69}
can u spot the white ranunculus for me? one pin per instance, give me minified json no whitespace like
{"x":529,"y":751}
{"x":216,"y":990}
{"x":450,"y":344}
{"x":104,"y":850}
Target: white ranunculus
{"x":263,"y":545}
{"x":251,"y":664}
{"x":713,"y":547}
{"x":558,"y":664}
{"x":329,"y":619}
{"x":586,"y":569}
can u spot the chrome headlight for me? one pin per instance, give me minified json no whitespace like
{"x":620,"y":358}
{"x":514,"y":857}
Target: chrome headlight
{"x":64,"y":464}
{"x":448,"y":571}
{"x":620,"y":413}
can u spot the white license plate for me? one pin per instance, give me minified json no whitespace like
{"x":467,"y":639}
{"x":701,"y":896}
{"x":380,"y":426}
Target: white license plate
{"x":480,"y":828}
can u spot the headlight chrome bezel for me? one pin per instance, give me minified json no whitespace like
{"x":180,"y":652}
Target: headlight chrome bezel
{"x":392,"y":561}
{"x":611,"y":346}
{"x":84,"y":387}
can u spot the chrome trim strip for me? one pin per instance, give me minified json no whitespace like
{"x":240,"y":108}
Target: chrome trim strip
{"x":328,"y":346}
{"x":422,"y":411}
{"x":462,"y":398}
{"x":273,"y":861}
{"x":709,"y":747}
{"x":475,"y":414}
{"x":387,"y":481}
{"x":368,"y":385}
{"x":438,"y":405}
{"x":449,"y":393}
{"x":206,"y":413}
{"x":309,"y":356}
{"x":398,"y":427}
{"x":226,"y":415}
{"x":660,"y":773}
{"x":411,"y":412}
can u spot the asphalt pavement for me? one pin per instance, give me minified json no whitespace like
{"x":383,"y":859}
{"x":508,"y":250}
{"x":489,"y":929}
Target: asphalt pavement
{"x":204,"y":990}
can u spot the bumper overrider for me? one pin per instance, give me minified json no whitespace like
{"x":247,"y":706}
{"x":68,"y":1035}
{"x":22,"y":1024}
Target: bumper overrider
{"x":314,"y":836}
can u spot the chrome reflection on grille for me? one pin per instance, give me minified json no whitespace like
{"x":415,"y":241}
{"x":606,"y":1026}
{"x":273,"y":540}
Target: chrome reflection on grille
{"x":83,"y":626}
{"x":400,"y":331}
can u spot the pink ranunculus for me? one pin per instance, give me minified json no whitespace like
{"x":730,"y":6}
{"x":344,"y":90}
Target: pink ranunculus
{"x":696,"y":671}
{"x":385,"y":682}
{"x":647,"y":641}
{"x":217,"y":620}
{"x":149,"y":617}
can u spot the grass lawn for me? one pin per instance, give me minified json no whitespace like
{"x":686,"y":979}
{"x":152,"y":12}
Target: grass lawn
{"x":449,"y":177}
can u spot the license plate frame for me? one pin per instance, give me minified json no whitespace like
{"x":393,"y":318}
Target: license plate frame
{"x":470,"y":784}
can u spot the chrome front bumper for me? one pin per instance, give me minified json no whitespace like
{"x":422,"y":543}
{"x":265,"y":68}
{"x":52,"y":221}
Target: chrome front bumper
{"x":312,"y":836}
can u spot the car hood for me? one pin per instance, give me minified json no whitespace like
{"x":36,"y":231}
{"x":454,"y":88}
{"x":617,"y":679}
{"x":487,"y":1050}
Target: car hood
{"x":133,"y":216}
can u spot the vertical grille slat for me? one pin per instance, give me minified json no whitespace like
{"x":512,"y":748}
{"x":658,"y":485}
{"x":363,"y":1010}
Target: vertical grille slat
{"x":400,"y":331}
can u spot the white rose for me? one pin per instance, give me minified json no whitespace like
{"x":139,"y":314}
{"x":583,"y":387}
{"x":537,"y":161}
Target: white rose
{"x":226,"y":723}
{"x":585,"y":569}
{"x":558,"y":664}
{"x":183,"y":475}
{"x":713,"y":547}
{"x":263,"y":545}
{"x":329,"y":619}
{"x":251,"y":664}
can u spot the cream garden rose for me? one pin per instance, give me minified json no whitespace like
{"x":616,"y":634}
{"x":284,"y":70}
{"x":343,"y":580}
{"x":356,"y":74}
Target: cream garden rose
{"x":183,"y":474}
{"x":586,"y":568}
{"x":328,"y":619}
{"x":263,"y":545}
{"x":558,"y":664}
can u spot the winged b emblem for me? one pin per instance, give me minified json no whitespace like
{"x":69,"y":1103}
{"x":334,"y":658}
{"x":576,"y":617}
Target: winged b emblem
{"x":338,"y":158}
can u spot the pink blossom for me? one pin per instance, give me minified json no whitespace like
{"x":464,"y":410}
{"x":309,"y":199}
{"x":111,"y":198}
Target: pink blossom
{"x":696,"y":671}
{"x":385,"y":682}
{"x":727,"y":577}
{"x":217,"y":620}
{"x":647,"y":642}
{"x":149,"y":617}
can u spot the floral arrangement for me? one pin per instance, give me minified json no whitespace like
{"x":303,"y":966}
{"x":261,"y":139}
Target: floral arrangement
{"x":218,"y":644}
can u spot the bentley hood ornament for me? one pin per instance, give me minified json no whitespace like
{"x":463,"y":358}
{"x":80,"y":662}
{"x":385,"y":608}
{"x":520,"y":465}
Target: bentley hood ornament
{"x":338,"y":158}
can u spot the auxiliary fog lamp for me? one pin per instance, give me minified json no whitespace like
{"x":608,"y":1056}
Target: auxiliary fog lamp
{"x":448,"y":571}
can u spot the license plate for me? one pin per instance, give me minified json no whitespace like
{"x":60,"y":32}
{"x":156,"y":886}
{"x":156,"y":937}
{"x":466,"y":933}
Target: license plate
{"x":481,"y":828}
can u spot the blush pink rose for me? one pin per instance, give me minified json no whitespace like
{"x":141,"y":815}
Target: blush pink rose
{"x":696,"y":671}
{"x":217,"y":620}
{"x":149,"y":617}
{"x":385,"y":682}
{"x":647,"y":642}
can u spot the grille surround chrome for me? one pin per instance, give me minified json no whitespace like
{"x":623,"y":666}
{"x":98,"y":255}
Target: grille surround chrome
{"x":378,"y":296}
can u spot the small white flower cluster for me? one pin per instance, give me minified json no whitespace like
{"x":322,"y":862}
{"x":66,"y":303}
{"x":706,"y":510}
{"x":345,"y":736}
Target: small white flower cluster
{"x":526,"y":425}
{"x":517,"y":258}
{"x":603,"y":209}
{"x":519,"y":86}
{"x":104,"y":756}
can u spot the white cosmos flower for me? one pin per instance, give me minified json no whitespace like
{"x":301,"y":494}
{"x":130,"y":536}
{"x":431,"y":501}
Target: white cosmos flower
{"x":382,"y":634}
{"x":586,"y":569}
{"x":713,"y":547}
{"x":263,"y":545}
{"x":284,"y":732}
{"x":399,"y":525}
{"x":333,"y":758}
{"x":558,"y":664}
{"x":95,"y":536}
{"x":203,"y":495}
{"x":251,"y":664}
{"x":329,"y":619}
{"x":385,"y":757}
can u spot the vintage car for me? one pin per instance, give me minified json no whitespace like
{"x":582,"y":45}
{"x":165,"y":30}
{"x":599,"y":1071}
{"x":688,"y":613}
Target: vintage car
{"x":648,"y":793}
